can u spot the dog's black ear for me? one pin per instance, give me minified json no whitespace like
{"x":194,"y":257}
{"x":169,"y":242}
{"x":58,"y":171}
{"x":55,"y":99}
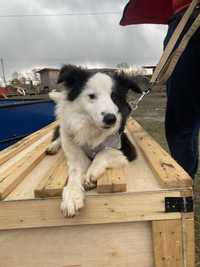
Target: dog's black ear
{"x":70,"y":75}
{"x":74,"y":79}
{"x":126,"y":82}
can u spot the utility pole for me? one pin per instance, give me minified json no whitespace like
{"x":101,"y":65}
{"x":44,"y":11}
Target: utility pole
{"x":3,"y":71}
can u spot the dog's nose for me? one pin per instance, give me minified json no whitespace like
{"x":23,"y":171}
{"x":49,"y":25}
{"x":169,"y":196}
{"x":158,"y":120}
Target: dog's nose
{"x":109,"y":119}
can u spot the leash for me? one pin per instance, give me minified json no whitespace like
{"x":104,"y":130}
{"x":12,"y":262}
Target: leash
{"x":134,"y":104}
{"x":170,"y":57}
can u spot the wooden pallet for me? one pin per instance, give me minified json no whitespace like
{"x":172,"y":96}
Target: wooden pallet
{"x":129,"y":224}
{"x":32,"y":150}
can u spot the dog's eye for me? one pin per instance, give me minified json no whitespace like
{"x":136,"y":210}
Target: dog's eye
{"x":92,"y":96}
{"x":114,"y":96}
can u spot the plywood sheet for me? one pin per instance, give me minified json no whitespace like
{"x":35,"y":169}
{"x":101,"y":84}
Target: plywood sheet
{"x":128,"y":244}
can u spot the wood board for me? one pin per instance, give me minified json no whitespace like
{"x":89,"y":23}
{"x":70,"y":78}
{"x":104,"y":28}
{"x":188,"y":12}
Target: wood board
{"x":168,"y":172}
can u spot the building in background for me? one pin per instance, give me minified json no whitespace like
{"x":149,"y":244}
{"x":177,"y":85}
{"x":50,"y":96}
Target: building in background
{"x":150,"y":69}
{"x":49,"y":76}
{"x":48,"y":79}
{"x":104,"y":70}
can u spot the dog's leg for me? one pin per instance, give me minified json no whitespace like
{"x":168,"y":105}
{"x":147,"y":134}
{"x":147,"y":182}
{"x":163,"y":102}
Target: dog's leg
{"x":53,"y":147}
{"x":73,"y":193}
{"x":56,"y":143}
{"x":106,"y":159}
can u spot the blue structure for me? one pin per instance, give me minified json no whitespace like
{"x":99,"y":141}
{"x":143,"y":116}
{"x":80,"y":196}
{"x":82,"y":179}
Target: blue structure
{"x":19,"y":118}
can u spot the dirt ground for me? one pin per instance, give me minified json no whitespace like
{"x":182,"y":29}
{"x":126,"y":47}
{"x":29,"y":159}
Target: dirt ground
{"x":150,"y":115}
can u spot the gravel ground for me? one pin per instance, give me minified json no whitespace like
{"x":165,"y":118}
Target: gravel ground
{"x":150,"y":115}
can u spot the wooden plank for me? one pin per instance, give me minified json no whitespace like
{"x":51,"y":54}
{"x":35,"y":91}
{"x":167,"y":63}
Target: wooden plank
{"x":25,"y":190}
{"x":112,"y":181}
{"x":168,"y":172}
{"x":11,"y":151}
{"x":54,"y":179}
{"x":11,"y":177}
{"x":113,"y":245}
{"x":98,"y":209}
{"x":47,"y":176}
{"x":119,"y":182}
{"x":55,"y":187}
{"x":104,"y":183}
{"x":167,"y":243}
{"x":140,"y":175}
{"x":188,"y":240}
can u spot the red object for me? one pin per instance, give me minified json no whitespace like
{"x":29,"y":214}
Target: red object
{"x":179,"y":5}
{"x":4,"y":91}
{"x":151,"y":11}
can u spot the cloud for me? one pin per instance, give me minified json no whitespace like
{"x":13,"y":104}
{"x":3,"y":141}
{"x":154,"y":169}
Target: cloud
{"x":95,"y":40}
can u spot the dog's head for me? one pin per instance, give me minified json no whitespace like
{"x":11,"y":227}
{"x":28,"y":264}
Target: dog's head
{"x":101,"y":97}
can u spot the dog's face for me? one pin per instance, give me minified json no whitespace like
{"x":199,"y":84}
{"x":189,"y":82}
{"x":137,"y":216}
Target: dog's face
{"x":96,"y":100}
{"x":100,"y":97}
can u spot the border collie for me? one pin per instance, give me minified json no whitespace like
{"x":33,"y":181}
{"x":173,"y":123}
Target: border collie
{"x":92,"y":111}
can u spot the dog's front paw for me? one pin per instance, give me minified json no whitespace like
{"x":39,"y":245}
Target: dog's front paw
{"x":53,"y":148}
{"x":73,"y":200}
{"x":92,"y":175}
{"x":88,"y":184}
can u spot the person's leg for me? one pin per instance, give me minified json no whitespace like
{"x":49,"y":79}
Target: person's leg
{"x":183,"y":109}
{"x":183,"y":143}
{"x":196,"y":149}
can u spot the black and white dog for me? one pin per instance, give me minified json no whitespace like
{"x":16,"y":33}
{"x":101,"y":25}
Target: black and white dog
{"x":92,"y":111}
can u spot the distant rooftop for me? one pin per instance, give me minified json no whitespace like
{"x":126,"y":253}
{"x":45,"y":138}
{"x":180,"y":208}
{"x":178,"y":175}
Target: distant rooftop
{"x":47,"y":69}
{"x":102,"y":69}
{"x":149,"y":67}
{"x":90,"y":69}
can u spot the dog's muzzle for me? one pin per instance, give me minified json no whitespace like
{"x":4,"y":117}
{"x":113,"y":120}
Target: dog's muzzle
{"x":109,"y":119}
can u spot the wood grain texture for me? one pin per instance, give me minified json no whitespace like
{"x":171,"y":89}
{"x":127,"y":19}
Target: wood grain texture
{"x":53,"y":181}
{"x":25,"y":190}
{"x":167,"y":243}
{"x":55,"y":187}
{"x":10,"y":178}
{"x":11,"y":151}
{"x":98,"y":209}
{"x":168,"y":172}
{"x":113,"y":245}
{"x":188,"y":240}
{"x":112,"y":181}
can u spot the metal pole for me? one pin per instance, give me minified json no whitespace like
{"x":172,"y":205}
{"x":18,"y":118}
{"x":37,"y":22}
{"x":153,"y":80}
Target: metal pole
{"x":3,"y":71}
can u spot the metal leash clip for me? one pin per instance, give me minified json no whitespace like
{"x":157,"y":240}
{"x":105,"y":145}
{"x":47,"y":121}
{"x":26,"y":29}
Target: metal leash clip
{"x":134,"y":104}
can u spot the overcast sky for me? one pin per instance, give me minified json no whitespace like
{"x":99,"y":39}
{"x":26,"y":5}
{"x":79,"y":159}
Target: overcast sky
{"x":28,"y":42}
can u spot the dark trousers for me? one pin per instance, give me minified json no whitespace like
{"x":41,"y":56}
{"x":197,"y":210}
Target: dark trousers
{"x":182,"y":120}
